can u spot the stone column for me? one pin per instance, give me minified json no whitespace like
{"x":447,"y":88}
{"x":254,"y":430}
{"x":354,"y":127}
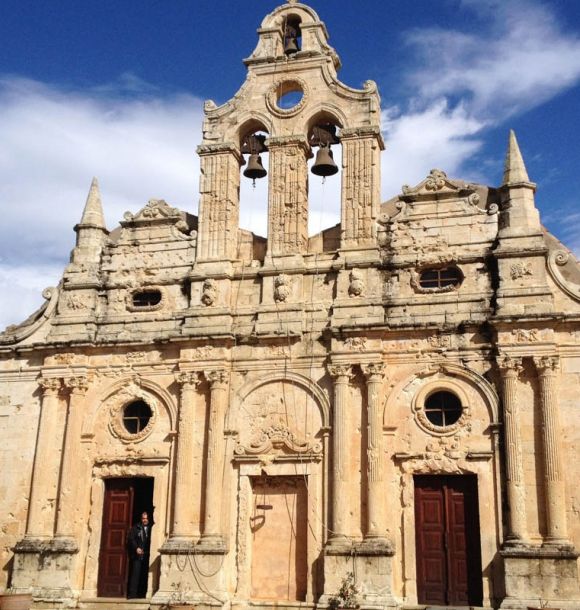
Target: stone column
{"x":376,"y":527}
{"x":43,"y":492}
{"x":510,"y":369}
{"x":288,"y":195}
{"x":341,"y":458}
{"x":183,"y":526}
{"x":361,"y":185}
{"x":554,"y":487}
{"x":219,"y":207}
{"x":68,"y":502}
{"x":212,"y":526}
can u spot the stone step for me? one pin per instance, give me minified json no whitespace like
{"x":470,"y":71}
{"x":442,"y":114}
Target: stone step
{"x":113,"y":603}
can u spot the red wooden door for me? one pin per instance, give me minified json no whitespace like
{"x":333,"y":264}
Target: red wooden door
{"x":448,"y":541}
{"x":117,"y":513}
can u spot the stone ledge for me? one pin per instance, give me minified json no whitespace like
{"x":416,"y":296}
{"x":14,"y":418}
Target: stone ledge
{"x":190,"y":547}
{"x":44,"y":546}
{"x":540,"y":552}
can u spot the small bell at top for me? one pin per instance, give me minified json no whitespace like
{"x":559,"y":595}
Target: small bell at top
{"x":255,"y":169}
{"x":324,"y":165}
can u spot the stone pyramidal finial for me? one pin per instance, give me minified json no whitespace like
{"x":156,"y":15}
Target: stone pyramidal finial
{"x":93,"y":213}
{"x":515,"y":169}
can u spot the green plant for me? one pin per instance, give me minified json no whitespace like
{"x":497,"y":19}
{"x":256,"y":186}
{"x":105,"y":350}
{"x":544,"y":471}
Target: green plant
{"x":347,"y":596}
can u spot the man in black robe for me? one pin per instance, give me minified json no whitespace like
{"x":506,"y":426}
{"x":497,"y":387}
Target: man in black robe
{"x":139,"y":544}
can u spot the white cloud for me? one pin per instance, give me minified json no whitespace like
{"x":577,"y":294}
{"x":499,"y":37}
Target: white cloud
{"x":519,"y":59}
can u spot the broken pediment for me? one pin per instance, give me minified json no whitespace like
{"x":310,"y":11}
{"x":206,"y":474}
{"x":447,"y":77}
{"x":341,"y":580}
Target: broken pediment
{"x":155,"y":211}
{"x":436,"y":183}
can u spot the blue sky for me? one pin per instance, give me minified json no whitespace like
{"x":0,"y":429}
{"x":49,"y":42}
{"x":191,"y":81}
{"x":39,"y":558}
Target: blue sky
{"x":115,"y":89}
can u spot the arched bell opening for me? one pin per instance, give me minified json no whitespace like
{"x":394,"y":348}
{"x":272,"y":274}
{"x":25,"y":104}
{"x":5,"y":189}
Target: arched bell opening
{"x":325,"y":183}
{"x":253,"y":191}
{"x":292,"y":35}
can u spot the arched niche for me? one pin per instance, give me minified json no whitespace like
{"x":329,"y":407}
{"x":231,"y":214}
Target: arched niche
{"x":453,"y":377}
{"x":253,"y":211}
{"x":288,"y":406}
{"x":104,"y":407}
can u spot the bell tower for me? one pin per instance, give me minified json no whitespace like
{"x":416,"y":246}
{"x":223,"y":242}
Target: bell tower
{"x":292,"y":95}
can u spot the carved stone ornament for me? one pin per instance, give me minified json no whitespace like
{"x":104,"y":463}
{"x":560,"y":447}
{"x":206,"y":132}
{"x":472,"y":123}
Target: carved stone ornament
{"x":117,"y":404}
{"x":75,"y":302}
{"x":279,"y":88}
{"x":374,"y":371}
{"x":189,"y":379}
{"x":282,"y":289}
{"x":356,"y":344}
{"x":520,"y":269}
{"x":547,"y":365}
{"x":509,"y":366}
{"x":217,"y":378}
{"x":154,"y":210}
{"x":341,"y":371}
{"x":436,"y":180}
{"x":462,"y":424}
{"x":50,"y":385}
{"x":278,"y":437}
{"x":209,"y":292}
{"x":522,"y":335}
{"x":356,"y":286}
{"x":77,"y":385}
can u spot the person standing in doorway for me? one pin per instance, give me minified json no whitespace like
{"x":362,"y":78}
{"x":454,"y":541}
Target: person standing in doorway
{"x":139,"y":544}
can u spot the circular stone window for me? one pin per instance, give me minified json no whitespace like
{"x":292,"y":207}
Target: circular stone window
{"x":287,"y":98}
{"x":443,"y":409}
{"x":136,"y":416}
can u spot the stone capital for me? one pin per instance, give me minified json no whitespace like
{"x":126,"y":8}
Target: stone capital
{"x":187,"y":379}
{"x":547,"y":366}
{"x":341,"y":373}
{"x":221,"y":148}
{"x":374,"y":371}
{"x":77,"y":385}
{"x":217,"y":378}
{"x":50,"y":385}
{"x":509,"y":366}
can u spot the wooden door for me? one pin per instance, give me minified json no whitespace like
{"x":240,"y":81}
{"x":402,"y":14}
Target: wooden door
{"x":117,"y":512}
{"x":279,"y":529}
{"x":448,"y":541}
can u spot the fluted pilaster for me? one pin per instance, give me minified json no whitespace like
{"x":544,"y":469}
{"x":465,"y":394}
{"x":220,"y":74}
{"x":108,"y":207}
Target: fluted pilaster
{"x":212,"y":527}
{"x":554,"y":485}
{"x":288,"y":196}
{"x":510,"y":369}
{"x":376,"y":526}
{"x":42,"y":506}
{"x":219,"y":207}
{"x":68,"y":502}
{"x":183,"y":526}
{"x":341,"y":458}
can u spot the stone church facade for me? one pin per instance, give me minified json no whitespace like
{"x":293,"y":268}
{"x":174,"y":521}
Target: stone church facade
{"x":394,"y":398}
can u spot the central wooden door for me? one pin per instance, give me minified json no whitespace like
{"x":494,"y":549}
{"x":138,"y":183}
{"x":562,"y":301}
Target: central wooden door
{"x":279,"y":528}
{"x":448,"y":541}
{"x":117,"y":512}
{"x":125,"y":500}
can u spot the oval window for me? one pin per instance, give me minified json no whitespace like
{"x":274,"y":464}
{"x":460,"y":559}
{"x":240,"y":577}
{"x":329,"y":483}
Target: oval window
{"x":136,"y":416}
{"x":289,"y":94}
{"x":440,"y":278}
{"x":443,"y":409}
{"x":146,"y":298}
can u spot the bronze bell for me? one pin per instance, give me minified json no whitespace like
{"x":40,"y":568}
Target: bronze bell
{"x":291,"y":46}
{"x":255,"y":169}
{"x":324,"y":165}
